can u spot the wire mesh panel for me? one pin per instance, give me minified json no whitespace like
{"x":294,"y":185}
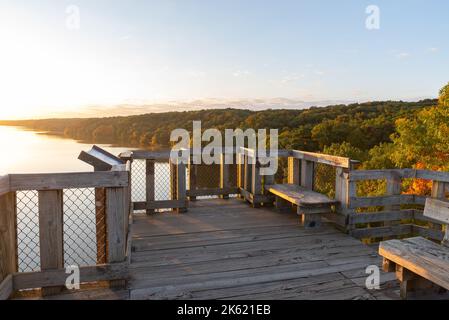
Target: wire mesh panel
{"x":80,"y":242}
{"x":162,"y":181}
{"x":208,"y":176}
{"x":138,"y":180}
{"x":324,"y":179}
{"x":28,"y":231}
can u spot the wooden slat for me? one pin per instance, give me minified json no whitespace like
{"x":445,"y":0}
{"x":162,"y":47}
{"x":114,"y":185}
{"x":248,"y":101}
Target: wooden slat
{"x":51,"y":232}
{"x":437,"y":209}
{"x":307,"y":174}
{"x":160,"y":204}
{"x":57,"y":277}
{"x":116,"y":222}
{"x":212,"y":192}
{"x":322,"y":158}
{"x":358,"y":175}
{"x":53,"y":181}
{"x":300,"y":196}
{"x":4,"y":185}
{"x":420,"y":256}
{"x":51,"y":229}
{"x":381,"y":216}
{"x":397,"y":230}
{"x":6,"y":287}
{"x":430,"y":233}
{"x":433,"y":175}
{"x":356,"y":202}
{"x":8,"y":235}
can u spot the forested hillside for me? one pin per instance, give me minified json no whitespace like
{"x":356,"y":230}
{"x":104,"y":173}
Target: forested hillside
{"x":385,"y":134}
{"x":361,"y":125}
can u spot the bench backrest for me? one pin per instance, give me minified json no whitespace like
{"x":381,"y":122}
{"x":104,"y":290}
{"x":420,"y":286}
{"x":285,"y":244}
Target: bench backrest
{"x":438,"y":210}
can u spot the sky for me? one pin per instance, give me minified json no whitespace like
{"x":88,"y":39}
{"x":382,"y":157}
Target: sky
{"x":62,"y":57}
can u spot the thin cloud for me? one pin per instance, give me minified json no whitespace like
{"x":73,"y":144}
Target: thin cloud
{"x":403,"y":55}
{"x":240,"y":73}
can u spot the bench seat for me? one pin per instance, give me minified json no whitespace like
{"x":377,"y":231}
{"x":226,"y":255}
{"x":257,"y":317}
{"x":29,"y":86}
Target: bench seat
{"x":310,"y":204}
{"x":415,"y":259}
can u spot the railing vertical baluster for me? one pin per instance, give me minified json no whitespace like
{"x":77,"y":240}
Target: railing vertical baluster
{"x":246,"y":173}
{"x":256,"y":181}
{"x":181,"y":185}
{"x":193,"y":169}
{"x":240,"y":172}
{"x":224,"y":175}
{"x":51,"y":233}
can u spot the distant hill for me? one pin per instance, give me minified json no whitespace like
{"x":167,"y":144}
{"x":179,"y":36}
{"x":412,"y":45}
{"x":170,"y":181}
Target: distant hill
{"x":363,"y":125}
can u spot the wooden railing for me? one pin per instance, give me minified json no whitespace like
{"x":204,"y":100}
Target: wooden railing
{"x":183,"y":179}
{"x":393,"y":214}
{"x":49,"y":187}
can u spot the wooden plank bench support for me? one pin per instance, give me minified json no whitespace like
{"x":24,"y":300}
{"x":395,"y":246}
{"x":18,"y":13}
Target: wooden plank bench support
{"x":310,"y":205}
{"x":421,"y":266}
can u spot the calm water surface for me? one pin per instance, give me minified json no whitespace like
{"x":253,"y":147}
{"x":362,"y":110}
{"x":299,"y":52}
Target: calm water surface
{"x":31,"y":152}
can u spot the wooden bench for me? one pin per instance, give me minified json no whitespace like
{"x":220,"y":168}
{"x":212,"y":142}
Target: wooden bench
{"x":310,"y":204}
{"x":421,"y":266}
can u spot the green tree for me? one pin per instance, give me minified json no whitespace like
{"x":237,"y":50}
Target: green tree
{"x":444,"y":96}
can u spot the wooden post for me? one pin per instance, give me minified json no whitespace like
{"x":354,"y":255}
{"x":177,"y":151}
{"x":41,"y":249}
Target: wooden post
{"x":8,"y":235}
{"x":181,"y":185}
{"x":293,"y":170}
{"x":116,"y":222}
{"x":51,"y":233}
{"x":256,"y":182}
{"x":149,"y":183}
{"x":307,"y":174}
{"x":224,"y":175}
{"x":173,"y":179}
{"x":193,"y":170}
{"x":246,"y":174}
{"x":240,"y":172}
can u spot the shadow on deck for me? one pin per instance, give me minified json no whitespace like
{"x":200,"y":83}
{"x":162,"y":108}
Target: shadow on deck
{"x":224,"y":249}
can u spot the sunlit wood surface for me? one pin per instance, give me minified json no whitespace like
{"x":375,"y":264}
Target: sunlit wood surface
{"x":224,"y":249}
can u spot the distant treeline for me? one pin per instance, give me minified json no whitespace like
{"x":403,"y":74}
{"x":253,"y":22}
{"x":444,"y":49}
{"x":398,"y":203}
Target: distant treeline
{"x":362,"y":126}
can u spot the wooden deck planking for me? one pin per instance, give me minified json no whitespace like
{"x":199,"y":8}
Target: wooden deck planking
{"x":224,"y":249}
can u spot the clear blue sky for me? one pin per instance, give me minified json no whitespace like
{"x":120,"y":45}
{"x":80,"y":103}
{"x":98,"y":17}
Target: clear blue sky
{"x":146,"y":51}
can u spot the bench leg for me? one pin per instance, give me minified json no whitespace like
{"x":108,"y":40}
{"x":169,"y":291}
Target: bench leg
{"x":311,"y":217}
{"x":283,"y":205}
{"x":415,"y":286}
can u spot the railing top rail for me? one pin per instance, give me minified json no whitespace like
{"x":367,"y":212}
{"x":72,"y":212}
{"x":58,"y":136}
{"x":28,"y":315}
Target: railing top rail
{"x":54,"y":181}
{"x":322,"y":158}
{"x":359,"y":175}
